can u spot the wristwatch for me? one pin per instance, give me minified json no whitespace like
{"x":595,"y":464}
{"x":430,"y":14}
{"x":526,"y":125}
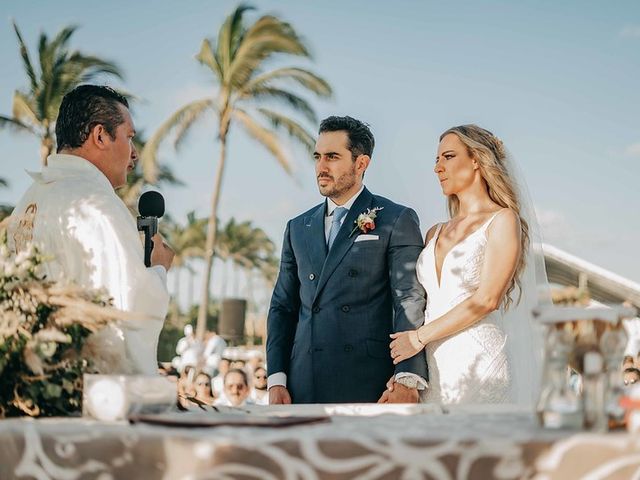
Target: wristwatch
{"x":408,"y":381}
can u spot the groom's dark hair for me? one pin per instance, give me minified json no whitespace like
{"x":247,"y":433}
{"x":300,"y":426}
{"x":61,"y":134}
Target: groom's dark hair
{"x":361,"y":140}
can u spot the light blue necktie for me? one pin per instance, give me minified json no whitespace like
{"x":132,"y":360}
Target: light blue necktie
{"x":338,"y":215}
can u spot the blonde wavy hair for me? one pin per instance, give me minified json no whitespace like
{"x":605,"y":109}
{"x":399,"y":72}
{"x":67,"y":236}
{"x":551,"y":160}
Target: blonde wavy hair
{"x":488,"y":150}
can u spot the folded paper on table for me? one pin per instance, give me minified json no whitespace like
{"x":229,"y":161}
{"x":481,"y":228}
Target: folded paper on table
{"x":220,"y":419}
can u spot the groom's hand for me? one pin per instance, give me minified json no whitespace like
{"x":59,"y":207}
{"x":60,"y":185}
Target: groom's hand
{"x":401,"y":394}
{"x":279,"y":395}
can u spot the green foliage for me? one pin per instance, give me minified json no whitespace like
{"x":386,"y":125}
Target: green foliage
{"x":167,"y":342}
{"x":58,"y":70}
{"x":5,"y":210}
{"x":43,"y":328}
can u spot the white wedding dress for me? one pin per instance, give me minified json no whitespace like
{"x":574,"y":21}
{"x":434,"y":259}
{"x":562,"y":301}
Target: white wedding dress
{"x":471,"y":366}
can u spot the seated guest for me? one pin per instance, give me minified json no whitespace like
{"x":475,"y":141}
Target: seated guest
{"x":254,"y":361}
{"x":218,"y":381}
{"x":631,"y":376}
{"x":236,"y":389}
{"x":186,"y":388}
{"x":188,"y":350}
{"x":202,"y":388}
{"x":238,"y":365}
{"x":259,"y":393}
{"x":213,"y":350}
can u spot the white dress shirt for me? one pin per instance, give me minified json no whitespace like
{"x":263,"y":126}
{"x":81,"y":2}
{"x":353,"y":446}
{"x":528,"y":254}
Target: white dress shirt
{"x":331,"y":207}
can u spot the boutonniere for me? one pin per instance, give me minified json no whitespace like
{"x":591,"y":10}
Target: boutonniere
{"x":366,"y":221}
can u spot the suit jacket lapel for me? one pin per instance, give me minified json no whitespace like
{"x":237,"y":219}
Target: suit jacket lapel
{"x":344,"y":240}
{"x":316,"y":242}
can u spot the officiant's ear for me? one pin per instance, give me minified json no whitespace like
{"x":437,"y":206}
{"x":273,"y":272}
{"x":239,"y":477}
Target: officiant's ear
{"x":98,"y":135}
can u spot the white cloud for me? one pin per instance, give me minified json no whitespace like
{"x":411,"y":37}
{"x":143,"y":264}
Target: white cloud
{"x":633,"y":150}
{"x":630,"y":31}
{"x":554,"y":226}
{"x":550,"y":218}
{"x":189,"y":93}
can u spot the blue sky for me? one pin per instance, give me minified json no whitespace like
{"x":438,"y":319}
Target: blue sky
{"x":557,"y":82}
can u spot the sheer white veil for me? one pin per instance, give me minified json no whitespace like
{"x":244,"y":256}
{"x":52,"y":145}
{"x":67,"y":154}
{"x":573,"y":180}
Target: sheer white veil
{"x":525,"y":343}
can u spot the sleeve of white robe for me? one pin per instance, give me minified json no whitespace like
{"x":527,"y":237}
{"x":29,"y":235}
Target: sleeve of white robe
{"x":112,"y":255}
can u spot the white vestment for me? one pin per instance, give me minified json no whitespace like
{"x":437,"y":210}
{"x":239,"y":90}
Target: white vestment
{"x":72,"y":213}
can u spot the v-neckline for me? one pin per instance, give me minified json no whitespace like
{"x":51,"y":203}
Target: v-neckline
{"x":444,"y":259}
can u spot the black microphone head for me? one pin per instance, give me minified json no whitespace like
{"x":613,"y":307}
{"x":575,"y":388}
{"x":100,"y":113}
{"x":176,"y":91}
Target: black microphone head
{"x":151,"y":204}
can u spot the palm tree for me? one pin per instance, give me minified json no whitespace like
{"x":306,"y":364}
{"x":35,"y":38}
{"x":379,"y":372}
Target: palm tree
{"x":145,"y":174}
{"x":187,"y":242}
{"x":238,"y":60}
{"x":244,"y":245}
{"x":35,"y":109}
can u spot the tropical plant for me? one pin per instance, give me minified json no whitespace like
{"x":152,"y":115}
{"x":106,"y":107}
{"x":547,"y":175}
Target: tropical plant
{"x":240,"y":61}
{"x":45,"y":345}
{"x":150,"y":173}
{"x":245,"y":246}
{"x":187,"y":242}
{"x":35,"y":109}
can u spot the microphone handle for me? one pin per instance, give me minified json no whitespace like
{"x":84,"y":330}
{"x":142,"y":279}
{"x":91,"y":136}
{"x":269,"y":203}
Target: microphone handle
{"x":149,"y":225}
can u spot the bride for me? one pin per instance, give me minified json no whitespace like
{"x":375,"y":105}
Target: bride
{"x":479,"y":340}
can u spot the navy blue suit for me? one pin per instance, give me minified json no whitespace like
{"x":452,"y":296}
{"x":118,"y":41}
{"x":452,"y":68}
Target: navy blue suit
{"x":332,"y":312}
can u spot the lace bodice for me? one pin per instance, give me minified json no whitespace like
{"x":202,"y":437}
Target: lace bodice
{"x":460,"y":275}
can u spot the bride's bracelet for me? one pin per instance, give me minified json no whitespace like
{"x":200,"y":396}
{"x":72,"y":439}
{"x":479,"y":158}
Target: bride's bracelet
{"x":418,"y":336}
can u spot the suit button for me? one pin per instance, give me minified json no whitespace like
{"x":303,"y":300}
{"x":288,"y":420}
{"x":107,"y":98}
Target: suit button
{"x":353,"y":273}
{"x":312,"y":276}
{"x":348,"y":348}
{"x":346,"y":308}
{"x":316,"y":309}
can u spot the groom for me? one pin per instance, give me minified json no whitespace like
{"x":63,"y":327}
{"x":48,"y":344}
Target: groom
{"x":345,"y":283}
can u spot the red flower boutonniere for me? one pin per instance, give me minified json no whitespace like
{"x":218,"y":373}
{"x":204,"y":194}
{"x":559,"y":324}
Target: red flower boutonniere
{"x":366,"y":221}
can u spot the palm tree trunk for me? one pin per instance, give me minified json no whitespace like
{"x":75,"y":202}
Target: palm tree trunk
{"x":209,"y":250}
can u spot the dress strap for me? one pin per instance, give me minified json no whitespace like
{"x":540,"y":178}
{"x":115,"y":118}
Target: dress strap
{"x":490,"y":221}
{"x":436,"y":234}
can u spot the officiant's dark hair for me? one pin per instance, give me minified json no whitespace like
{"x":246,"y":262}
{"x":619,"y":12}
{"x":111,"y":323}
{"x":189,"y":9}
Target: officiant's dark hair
{"x":83,"y":108}
{"x":361,"y":141}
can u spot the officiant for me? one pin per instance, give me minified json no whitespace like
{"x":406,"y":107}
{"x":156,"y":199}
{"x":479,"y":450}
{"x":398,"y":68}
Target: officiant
{"x":71,"y":211}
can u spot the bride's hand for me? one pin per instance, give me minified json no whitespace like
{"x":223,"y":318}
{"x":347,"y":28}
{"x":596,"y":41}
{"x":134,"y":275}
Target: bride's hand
{"x":405,"y":345}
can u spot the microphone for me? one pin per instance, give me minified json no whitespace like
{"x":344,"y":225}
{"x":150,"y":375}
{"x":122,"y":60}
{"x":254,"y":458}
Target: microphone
{"x":150,"y":207}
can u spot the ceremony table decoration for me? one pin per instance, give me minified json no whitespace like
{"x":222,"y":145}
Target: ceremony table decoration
{"x":44,"y":328}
